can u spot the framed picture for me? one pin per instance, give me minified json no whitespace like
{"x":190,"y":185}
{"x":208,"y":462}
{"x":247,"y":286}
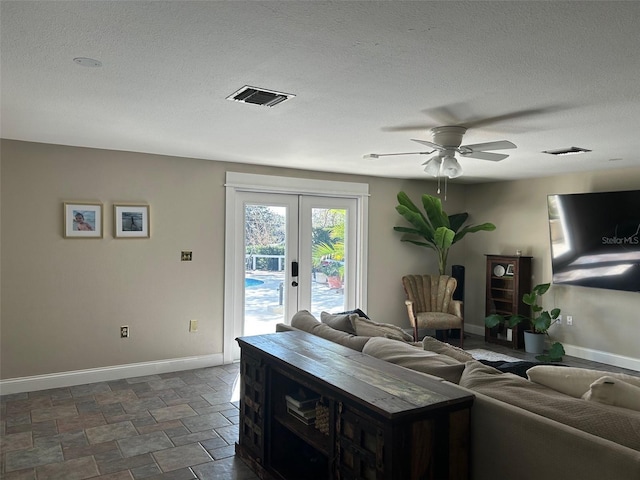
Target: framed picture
{"x":131,"y":221}
{"x":82,"y":220}
{"x":509,"y":269}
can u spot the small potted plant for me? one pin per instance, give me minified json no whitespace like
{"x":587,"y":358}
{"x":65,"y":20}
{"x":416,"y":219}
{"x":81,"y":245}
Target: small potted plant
{"x":539,"y":323}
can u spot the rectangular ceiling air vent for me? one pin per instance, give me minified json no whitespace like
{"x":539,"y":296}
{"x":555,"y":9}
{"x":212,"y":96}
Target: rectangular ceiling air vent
{"x":567,"y":151}
{"x":259,"y":96}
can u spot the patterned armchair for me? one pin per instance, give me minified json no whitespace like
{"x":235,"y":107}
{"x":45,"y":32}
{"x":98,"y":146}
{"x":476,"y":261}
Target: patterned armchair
{"x":430,"y":304}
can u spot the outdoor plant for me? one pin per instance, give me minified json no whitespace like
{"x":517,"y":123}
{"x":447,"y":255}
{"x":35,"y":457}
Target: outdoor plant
{"x":539,"y":322}
{"x":433,"y":228}
{"x":328,"y":257}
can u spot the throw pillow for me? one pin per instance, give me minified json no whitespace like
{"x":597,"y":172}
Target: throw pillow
{"x":343,"y":322}
{"x":304,"y":320}
{"x":613,"y":391}
{"x":414,"y":358}
{"x":571,"y":380}
{"x":433,"y":345}
{"x":359,"y":312}
{"x":370,"y":328}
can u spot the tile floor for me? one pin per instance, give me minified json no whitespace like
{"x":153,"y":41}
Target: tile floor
{"x":173,"y":426}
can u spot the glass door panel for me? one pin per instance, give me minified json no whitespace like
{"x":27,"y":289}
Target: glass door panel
{"x":270,"y":245}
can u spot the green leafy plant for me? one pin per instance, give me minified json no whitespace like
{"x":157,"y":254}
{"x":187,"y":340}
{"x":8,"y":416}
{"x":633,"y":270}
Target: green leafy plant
{"x":539,"y":322}
{"x":328,"y":257}
{"x":433,"y":228}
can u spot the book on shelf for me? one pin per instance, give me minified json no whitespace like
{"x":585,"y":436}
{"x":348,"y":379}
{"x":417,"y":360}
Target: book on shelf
{"x":301,"y":403}
{"x":304,"y":417}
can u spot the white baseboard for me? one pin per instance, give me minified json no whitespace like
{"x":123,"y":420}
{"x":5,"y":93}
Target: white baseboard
{"x":104,"y":374}
{"x":475,"y":329}
{"x":603,"y":357}
{"x":599,"y":356}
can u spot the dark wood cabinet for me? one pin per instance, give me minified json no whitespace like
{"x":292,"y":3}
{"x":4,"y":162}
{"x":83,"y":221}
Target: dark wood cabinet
{"x":508,"y":278}
{"x":374,"y":420}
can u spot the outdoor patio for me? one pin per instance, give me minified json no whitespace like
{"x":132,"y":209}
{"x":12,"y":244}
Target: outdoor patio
{"x":263,"y":302}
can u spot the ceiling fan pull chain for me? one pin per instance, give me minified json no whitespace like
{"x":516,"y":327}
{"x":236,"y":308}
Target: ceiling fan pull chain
{"x":445,"y":189}
{"x":438,"y":184}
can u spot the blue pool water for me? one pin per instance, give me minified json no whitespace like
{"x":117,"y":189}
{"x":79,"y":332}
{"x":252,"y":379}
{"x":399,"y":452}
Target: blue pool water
{"x":252,"y":282}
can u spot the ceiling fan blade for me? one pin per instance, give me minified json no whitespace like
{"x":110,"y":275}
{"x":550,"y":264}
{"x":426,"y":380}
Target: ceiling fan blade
{"x":378,"y":155}
{"x":493,"y":157}
{"x":530,"y":112}
{"x":423,"y":127}
{"x":461,"y":114}
{"x":429,"y":144}
{"x":499,"y":145}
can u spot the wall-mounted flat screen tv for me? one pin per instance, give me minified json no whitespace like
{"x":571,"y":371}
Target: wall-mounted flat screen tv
{"x":595,"y":239}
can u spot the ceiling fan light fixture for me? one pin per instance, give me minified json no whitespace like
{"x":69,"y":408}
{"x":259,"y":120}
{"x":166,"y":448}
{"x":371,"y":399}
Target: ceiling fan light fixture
{"x":433,"y":165}
{"x":450,"y":167}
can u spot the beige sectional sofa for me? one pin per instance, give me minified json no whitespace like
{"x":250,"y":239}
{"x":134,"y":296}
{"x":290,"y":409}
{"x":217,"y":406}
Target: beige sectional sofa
{"x":520,"y":429}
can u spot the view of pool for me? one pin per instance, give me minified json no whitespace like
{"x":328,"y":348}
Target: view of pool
{"x":252,"y":282}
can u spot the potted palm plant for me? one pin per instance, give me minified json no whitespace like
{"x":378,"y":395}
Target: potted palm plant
{"x":433,"y":228}
{"x":539,"y":323}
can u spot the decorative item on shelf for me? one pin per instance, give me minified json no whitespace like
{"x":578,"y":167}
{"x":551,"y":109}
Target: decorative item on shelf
{"x":434,"y":229}
{"x":499,"y":271}
{"x":322,"y":417}
{"x":509,"y":271}
{"x":539,"y":323}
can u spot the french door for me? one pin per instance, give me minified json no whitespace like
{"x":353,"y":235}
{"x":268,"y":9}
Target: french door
{"x":287,"y":252}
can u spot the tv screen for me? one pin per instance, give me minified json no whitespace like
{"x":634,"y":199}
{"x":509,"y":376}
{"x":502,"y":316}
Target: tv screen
{"x":595,"y":239}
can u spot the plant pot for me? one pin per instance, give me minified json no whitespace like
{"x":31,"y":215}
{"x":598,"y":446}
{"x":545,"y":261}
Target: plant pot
{"x":534,"y":342}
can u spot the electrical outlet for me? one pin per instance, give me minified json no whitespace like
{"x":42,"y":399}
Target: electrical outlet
{"x":124,"y":331}
{"x":569,"y":320}
{"x":186,"y":256}
{"x":193,"y":326}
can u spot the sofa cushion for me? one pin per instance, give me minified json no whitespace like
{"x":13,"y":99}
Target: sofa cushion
{"x":414,"y":358}
{"x":368,"y":327}
{"x":303,"y":320}
{"x":571,"y":380}
{"x":618,"y":425}
{"x":613,"y":391}
{"x":434,"y":345}
{"x":343,"y":322}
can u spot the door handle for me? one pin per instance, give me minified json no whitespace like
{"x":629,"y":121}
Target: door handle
{"x":294,"y":269}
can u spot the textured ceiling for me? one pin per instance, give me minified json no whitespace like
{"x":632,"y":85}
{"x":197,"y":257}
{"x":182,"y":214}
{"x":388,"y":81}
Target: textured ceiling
{"x":555,"y":74}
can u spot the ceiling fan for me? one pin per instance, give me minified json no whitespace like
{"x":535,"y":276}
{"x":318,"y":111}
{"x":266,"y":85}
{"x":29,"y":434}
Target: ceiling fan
{"x":446,"y":142}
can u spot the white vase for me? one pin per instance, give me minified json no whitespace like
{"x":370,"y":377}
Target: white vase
{"x":534,"y":342}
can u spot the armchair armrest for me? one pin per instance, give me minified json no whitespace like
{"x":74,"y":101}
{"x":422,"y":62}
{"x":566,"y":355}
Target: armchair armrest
{"x":455,"y":308}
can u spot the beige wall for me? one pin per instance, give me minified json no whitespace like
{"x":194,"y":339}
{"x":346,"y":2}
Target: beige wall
{"x":63,"y":300}
{"x":604,"y":320}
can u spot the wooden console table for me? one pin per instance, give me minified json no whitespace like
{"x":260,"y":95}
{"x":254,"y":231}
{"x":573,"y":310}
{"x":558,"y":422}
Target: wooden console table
{"x":384,"y":421}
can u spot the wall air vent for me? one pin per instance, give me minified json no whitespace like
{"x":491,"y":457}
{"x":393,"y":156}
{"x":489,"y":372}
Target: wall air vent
{"x":567,"y":151}
{"x":259,"y":96}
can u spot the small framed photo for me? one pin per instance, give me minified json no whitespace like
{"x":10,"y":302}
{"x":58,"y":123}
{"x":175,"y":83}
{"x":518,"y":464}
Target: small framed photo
{"x":82,"y":220}
{"x":131,"y":221}
{"x":510,"y":270}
